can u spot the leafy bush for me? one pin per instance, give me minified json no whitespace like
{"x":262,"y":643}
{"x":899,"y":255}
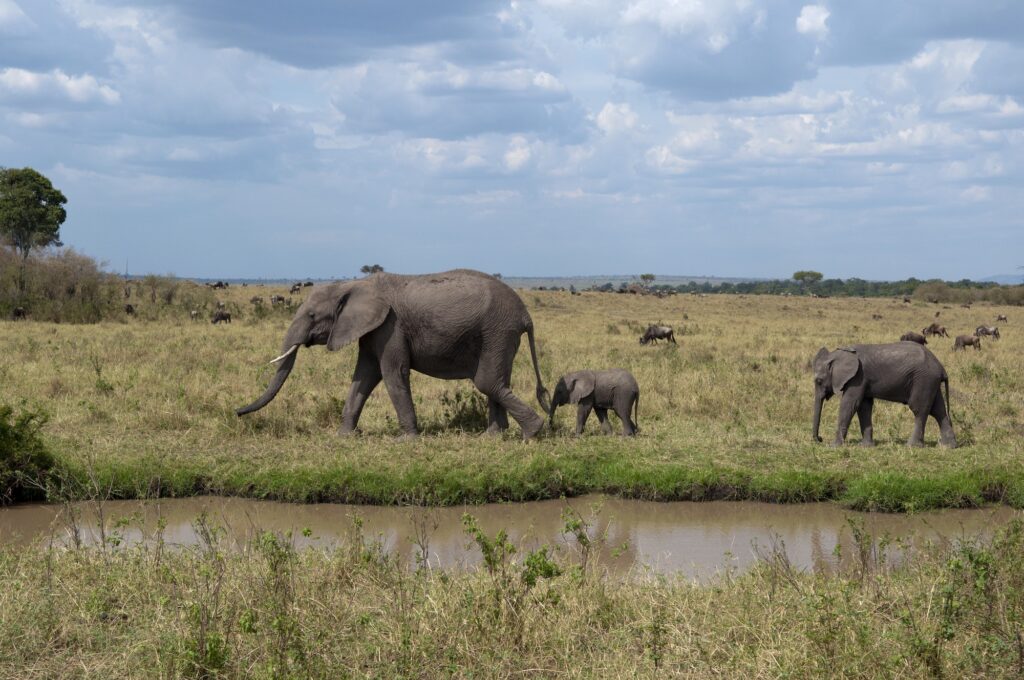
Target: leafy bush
{"x":24,"y":460}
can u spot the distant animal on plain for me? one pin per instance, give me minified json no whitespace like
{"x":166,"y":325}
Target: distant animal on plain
{"x":937,"y":314}
{"x":655,"y":333}
{"x":1002,"y":317}
{"x":220,"y":305}
{"x":990,"y":331}
{"x":911,"y":336}
{"x":966,"y":305}
{"x":876,"y":317}
{"x":129,"y":310}
{"x":935,"y":329}
{"x":19,"y":314}
{"x":906,"y":300}
{"x":599,"y":391}
{"x":256,"y":300}
{"x":193,"y":314}
{"x":965,"y":341}
{"x":220,"y":315}
{"x":296,"y":287}
{"x":307,"y":284}
{"x":276,"y":300}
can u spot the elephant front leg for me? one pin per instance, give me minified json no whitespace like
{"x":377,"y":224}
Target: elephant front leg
{"x":602,"y":417}
{"x":864,"y":416}
{"x":847,"y":407}
{"x":582,"y":413}
{"x":396,"y":380}
{"x":365,"y":378}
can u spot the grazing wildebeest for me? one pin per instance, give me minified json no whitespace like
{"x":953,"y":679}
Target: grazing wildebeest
{"x":19,"y":314}
{"x":935,"y":329}
{"x":911,"y":336}
{"x":256,"y":300}
{"x":655,"y":333}
{"x":221,"y":315}
{"x":991,"y":331}
{"x":1002,"y":317}
{"x":876,"y":317}
{"x":965,"y":341}
{"x":276,"y":300}
{"x":129,"y":310}
{"x":296,"y":287}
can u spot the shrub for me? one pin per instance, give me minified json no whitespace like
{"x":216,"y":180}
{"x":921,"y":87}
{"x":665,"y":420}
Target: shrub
{"x":24,"y":460}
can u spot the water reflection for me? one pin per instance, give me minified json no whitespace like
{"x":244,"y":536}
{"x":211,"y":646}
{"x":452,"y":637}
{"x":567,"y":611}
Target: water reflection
{"x":695,"y":539}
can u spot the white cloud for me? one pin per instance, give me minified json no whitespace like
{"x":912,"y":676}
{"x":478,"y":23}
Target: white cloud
{"x":518,"y":154}
{"x":812,"y":20}
{"x":976,"y":194}
{"x":616,"y":117}
{"x":663,"y":159}
{"x":13,"y":21}
{"x":19,"y":83}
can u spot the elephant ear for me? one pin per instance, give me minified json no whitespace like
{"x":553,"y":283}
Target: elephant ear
{"x":582,"y":387}
{"x":845,"y":365}
{"x":359,"y":312}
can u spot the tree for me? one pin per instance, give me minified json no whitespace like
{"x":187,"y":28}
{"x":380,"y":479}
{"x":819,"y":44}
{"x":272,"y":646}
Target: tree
{"x":807,"y":276}
{"x":31,"y":212}
{"x":371,"y":268}
{"x":647,"y":279}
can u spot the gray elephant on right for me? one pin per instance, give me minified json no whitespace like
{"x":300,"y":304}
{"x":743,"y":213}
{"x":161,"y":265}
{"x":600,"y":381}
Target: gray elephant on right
{"x":599,"y":391}
{"x":904,"y":372}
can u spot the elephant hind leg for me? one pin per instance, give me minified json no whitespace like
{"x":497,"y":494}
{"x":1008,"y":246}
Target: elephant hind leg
{"x":493,"y":379}
{"x":602,"y":417}
{"x":941,"y":414}
{"x":497,"y":417}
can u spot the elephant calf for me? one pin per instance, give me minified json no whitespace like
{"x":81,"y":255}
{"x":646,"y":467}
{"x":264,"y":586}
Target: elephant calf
{"x":614,"y":389}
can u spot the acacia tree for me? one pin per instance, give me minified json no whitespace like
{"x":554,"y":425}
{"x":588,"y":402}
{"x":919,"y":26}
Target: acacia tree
{"x":647,"y":279}
{"x":807,"y":276}
{"x":371,"y":269}
{"x":31,"y":212}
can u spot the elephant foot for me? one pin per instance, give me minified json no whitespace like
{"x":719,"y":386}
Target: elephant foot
{"x":915,"y":443}
{"x":495,"y":430}
{"x":532,"y":428}
{"x":948,"y":443}
{"x":867,"y":442}
{"x":349,"y":431}
{"x":408,"y":436}
{"x":837,"y":444}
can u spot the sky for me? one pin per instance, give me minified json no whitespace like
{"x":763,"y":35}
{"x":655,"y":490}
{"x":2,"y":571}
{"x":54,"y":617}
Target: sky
{"x":261,"y":138}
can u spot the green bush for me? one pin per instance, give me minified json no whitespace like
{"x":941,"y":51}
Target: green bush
{"x":24,"y":460}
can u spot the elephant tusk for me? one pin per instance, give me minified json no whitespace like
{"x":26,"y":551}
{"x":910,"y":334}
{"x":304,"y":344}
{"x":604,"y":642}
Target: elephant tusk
{"x":285,"y":355}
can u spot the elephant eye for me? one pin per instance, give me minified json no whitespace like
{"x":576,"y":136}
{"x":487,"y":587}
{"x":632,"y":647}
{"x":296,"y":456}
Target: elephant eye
{"x":311,"y":315}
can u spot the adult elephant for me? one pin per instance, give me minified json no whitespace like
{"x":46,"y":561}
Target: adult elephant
{"x":452,"y":325}
{"x":905,"y":372}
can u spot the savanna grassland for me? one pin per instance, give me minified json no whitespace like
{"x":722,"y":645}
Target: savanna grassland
{"x":144,"y":406}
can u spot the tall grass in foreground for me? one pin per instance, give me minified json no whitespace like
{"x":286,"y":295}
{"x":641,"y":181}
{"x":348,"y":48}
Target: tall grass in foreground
{"x":271,"y":611}
{"x":148,"y":402}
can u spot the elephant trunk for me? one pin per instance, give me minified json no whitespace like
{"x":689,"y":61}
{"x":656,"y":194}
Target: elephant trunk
{"x":275,"y":384}
{"x":819,"y":399}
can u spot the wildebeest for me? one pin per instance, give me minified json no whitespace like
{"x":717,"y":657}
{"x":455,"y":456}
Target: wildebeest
{"x":19,"y":314}
{"x":935,"y":329}
{"x":276,"y":300}
{"x":876,"y":317}
{"x":1002,"y":317}
{"x":129,"y":310}
{"x":911,"y":336}
{"x":655,"y":333}
{"x":193,"y":314}
{"x":221,"y":315}
{"x":965,"y":341}
{"x":256,"y":300}
{"x":991,"y":331}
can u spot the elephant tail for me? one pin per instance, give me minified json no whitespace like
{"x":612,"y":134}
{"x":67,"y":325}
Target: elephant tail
{"x":542,"y":394}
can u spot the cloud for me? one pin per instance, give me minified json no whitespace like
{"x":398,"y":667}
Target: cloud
{"x":616,"y":117}
{"x":813,"y":20}
{"x":28,"y":88}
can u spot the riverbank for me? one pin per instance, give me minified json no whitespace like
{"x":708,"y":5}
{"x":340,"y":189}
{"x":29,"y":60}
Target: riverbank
{"x":942,"y":610}
{"x":146,"y":408}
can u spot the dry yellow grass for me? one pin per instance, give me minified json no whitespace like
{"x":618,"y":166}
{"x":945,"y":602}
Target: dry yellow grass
{"x":149,"y":403}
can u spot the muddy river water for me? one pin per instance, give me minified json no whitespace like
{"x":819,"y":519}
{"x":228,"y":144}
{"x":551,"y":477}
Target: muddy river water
{"x":695,"y":539}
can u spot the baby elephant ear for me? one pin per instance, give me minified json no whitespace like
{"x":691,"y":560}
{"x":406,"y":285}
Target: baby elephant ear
{"x":582,"y":387}
{"x":360,"y":310}
{"x":844,"y":369}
